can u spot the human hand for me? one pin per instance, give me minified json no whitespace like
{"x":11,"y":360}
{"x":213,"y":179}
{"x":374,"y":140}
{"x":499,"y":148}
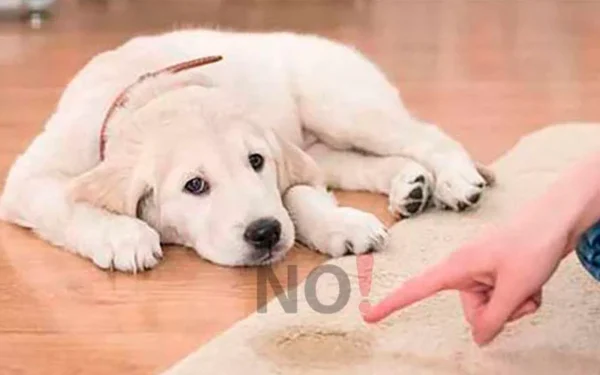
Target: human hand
{"x":499,"y":275}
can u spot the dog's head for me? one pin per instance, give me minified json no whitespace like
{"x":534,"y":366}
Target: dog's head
{"x":192,"y":165}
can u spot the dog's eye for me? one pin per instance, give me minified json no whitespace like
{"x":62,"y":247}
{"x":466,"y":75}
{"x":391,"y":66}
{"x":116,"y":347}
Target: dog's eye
{"x":196,"y":186}
{"x":256,"y":161}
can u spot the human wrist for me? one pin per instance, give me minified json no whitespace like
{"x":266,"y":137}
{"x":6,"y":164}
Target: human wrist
{"x":575,"y":209}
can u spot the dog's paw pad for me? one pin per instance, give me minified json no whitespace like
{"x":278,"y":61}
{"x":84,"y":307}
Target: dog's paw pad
{"x":410,"y":192}
{"x":416,"y":193}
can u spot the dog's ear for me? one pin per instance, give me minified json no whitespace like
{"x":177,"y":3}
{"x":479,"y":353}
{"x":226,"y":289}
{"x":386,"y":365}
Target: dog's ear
{"x":294,"y":166}
{"x":115,"y":186}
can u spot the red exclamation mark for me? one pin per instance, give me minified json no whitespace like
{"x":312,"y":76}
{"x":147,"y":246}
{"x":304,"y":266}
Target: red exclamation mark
{"x":365,"y":269}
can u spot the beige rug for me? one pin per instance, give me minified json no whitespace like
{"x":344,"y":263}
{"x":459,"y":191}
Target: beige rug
{"x":430,"y":337}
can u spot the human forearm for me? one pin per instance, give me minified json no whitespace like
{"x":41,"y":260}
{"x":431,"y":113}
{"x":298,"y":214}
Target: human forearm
{"x":571,"y":205}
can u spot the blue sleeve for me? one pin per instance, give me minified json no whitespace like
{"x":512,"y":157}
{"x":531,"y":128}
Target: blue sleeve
{"x":588,"y":250}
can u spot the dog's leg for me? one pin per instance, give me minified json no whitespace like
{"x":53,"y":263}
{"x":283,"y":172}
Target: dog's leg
{"x":35,"y":197}
{"x":407,"y":183}
{"x":458,"y":183}
{"x":326,"y":227}
{"x":347,"y":103}
{"x":109,"y":240}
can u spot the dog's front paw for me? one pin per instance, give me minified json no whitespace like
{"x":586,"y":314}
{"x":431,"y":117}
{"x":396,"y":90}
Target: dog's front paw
{"x":127,"y":245}
{"x":410,"y":191}
{"x":351,"y":231}
{"x":459,"y":187}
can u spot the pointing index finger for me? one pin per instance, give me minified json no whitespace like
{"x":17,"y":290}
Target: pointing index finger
{"x":440,"y":277}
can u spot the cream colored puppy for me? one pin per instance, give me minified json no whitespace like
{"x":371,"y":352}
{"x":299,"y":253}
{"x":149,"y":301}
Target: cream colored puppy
{"x":231,"y":158}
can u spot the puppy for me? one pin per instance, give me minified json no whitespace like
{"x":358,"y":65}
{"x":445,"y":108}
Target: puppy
{"x":230,"y":155}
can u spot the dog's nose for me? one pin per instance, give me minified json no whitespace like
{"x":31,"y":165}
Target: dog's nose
{"x":263,"y":233}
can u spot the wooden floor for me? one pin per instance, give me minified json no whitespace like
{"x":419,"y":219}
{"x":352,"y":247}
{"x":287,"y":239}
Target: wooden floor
{"x":486,"y":71}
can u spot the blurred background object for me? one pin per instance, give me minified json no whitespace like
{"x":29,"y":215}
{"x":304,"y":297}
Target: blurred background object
{"x":32,"y":10}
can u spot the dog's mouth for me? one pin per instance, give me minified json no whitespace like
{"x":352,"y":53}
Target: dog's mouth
{"x":272,"y":256}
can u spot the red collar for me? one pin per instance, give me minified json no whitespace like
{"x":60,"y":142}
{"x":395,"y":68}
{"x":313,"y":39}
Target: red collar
{"x":122,"y":98}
